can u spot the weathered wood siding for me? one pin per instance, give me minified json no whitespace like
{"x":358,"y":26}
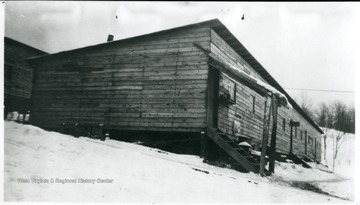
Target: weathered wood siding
{"x":17,"y":75}
{"x":242,"y":111}
{"x":298,"y":139}
{"x":251,"y":122}
{"x":154,"y":83}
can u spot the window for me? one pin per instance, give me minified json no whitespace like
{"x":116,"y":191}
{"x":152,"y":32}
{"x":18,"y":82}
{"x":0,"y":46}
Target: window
{"x":295,"y":132}
{"x":309,"y":139}
{"x":252,"y":103}
{"x":284,"y":124}
{"x":232,"y":90}
{"x":301,"y":134}
{"x":228,"y":90}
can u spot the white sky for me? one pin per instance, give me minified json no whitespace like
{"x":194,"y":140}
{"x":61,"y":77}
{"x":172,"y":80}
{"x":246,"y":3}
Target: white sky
{"x":302,"y":45}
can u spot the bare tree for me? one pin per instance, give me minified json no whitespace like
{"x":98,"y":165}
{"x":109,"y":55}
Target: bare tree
{"x":351,"y":116}
{"x":325,"y":119}
{"x":325,"y":138}
{"x":322,"y":114}
{"x":336,"y":115}
{"x":307,"y":105}
{"x":330,"y":117}
{"x":340,"y":114}
{"x":338,"y":140}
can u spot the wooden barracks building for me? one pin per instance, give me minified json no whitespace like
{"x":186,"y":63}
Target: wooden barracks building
{"x":17,"y":75}
{"x":187,"y":80}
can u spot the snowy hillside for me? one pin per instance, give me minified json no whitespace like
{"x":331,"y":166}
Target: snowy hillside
{"x":48,"y":166}
{"x":345,"y":161}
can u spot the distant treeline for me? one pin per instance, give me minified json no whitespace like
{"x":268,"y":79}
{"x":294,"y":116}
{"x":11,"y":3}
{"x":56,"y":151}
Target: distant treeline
{"x":336,"y":115}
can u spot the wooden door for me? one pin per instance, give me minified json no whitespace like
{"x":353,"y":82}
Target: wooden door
{"x":212,"y":97}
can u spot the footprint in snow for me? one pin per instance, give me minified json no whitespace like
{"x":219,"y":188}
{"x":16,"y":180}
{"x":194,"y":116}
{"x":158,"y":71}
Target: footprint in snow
{"x":252,"y":182}
{"x":162,"y":152}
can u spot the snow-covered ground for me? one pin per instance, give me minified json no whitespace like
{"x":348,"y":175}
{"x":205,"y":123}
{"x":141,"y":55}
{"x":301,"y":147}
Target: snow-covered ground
{"x":48,"y":166}
{"x":345,"y":161}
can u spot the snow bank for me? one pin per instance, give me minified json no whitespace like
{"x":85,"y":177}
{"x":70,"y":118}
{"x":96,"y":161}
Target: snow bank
{"x":293,"y":172}
{"x":331,"y":183}
{"x":345,"y":161}
{"x":344,"y":189}
{"x":86,"y":170}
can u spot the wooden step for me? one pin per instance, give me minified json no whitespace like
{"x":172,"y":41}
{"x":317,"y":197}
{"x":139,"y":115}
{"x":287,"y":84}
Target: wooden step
{"x":231,"y":142}
{"x":251,"y":159}
{"x":239,"y":148}
{"x":225,"y":137}
{"x":242,"y":151}
{"x":298,"y":160}
{"x":232,"y":149}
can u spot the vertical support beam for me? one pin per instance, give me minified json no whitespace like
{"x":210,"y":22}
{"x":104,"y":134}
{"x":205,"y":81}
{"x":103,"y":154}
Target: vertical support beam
{"x":62,"y":128}
{"x":90,"y":134}
{"x":305,"y":143}
{"x":101,"y":130}
{"x":34,"y":86}
{"x":272,"y":156}
{"x":291,"y":136}
{"x":267,"y":113}
{"x":203,"y":147}
{"x":76,"y":130}
{"x":315,"y":148}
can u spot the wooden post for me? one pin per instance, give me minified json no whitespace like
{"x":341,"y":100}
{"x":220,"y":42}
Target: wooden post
{"x":291,"y":137}
{"x":305,"y":143}
{"x":76,"y":130}
{"x":101,"y":134}
{"x":272,"y":156}
{"x":203,"y":148}
{"x":62,"y":128}
{"x":267,"y":113}
{"x":315,"y":148}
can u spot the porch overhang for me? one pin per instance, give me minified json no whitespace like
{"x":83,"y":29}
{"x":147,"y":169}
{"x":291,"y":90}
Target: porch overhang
{"x":260,"y":87}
